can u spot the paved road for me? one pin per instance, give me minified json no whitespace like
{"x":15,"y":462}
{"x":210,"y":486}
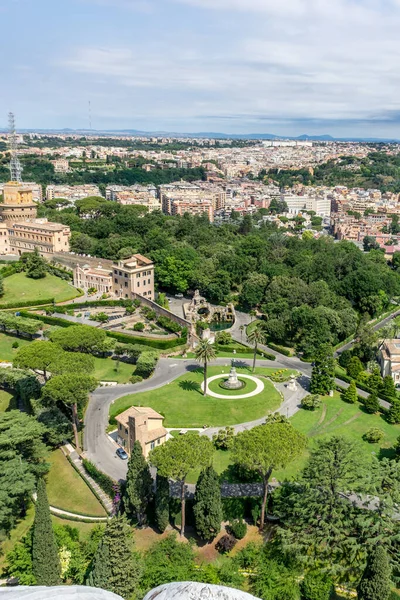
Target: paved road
{"x":98,"y":446}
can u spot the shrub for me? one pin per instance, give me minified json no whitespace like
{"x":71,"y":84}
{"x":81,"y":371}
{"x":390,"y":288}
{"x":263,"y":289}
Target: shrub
{"x":136,"y":379}
{"x":223,"y":338}
{"x":103,"y":480}
{"x":371,"y":404}
{"x":169,"y":324}
{"x":223,"y":440}
{"x":225,"y":544}
{"x":138,"y":327}
{"x":15,"y":344}
{"x":373,"y":435}
{"x":344,"y":358}
{"x":311,"y":402}
{"x":146,"y":364}
{"x":316,"y":586}
{"x":238,"y":529}
{"x":280,"y":349}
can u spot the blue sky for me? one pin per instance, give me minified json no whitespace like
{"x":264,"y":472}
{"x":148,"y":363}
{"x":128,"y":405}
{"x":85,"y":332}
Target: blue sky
{"x":238,"y":66}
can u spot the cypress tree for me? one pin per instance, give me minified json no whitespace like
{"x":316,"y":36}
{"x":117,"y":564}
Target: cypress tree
{"x":375,"y":583}
{"x":371,"y":404}
{"x":162,"y":503}
{"x":115,"y":566}
{"x":393,"y":416}
{"x":138,"y":486}
{"x":350,"y":395}
{"x":45,"y":560}
{"x":98,"y":576}
{"x":208,"y":505}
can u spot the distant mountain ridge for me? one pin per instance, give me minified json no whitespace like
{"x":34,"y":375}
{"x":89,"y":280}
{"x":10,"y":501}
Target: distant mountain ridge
{"x":206,"y":134}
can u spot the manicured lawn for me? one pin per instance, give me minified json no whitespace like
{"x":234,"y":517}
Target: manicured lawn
{"x":7,"y":352}
{"x":67,"y":490}
{"x":183,"y":404}
{"x":336,"y":417}
{"x":7,"y":401}
{"x":106,"y":369}
{"x":18,"y":287}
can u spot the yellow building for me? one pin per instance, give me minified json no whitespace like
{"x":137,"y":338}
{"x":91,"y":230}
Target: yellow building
{"x":140,"y":424}
{"x":18,"y":204}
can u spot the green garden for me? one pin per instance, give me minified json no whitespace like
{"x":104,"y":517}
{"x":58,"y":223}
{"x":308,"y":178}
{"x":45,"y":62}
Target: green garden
{"x":183,"y":404}
{"x":19,"y":287}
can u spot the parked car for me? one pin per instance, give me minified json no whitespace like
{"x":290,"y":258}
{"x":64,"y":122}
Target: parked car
{"x":178,"y":295}
{"x":122,"y":454}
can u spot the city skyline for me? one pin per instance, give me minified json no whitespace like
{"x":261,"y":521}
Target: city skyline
{"x":235,"y":66}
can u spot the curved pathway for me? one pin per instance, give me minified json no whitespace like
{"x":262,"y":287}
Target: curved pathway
{"x":100,"y":449}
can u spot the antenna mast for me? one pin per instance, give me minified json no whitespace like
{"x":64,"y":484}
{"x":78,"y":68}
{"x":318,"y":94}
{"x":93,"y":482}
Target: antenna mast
{"x":15,"y":165}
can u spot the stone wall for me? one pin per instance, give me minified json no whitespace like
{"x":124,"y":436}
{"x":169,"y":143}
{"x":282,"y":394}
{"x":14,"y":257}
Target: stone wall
{"x":228,"y":490}
{"x":160,"y":311}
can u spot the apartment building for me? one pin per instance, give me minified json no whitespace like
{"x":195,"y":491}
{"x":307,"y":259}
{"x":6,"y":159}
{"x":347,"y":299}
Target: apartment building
{"x":61,"y":165}
{"x":195,"y":199}
{"x":123,"y":278}
{"x":299,"y":203}
{"x":72,"y":192}
{"x":134,"y":196}
{"x":132,"y":276}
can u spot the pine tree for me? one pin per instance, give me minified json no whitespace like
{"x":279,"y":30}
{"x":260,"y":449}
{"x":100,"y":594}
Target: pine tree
{"x":208,"y":505}
{"x":45,"y":559}
{"x":350,"y":394}
{"x":388,"y":388}
{"x":139,"y":484}
{"x":162,"y":503}
{"x":323,"y":373}
{"x":115,"y":566}
{"x":98,"y":576}
{"x":375,"y":583}
{"x":393,"y":415}
{"x":371,"y":404}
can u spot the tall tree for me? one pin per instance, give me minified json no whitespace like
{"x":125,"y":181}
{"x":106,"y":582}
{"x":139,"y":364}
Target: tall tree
{"x":45,"y":559}
{"x":177,"y":457}
{"x":72,"y":390}
{"x":115,"y":566}
{"x":323,"y":373}
{"x":265,"y":448}
{"x":350,"y":394}
{"x":375,"y":583}
{"x":208,"y":505}
{"x":256,"y":337}
{"x":38,"y":356}
{"x":162,"y":503}
{"x":139,"y":483}
{"x":36,"y":266}
{"x":204,"y":353}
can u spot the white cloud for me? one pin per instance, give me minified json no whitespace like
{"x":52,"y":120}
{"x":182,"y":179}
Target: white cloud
{"x":294,"y":60}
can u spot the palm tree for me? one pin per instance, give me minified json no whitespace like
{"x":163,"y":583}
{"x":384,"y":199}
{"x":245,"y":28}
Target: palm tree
{"x":204,"y":353}
{"x":255,"y":337}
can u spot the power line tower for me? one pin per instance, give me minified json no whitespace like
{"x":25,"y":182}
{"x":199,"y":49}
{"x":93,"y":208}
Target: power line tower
{"x":15,"y":165}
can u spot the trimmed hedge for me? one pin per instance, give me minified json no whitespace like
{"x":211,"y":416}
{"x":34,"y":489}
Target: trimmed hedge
{"x":124,"y":338}
{"x":104,"y":481}
{"x":362,"y":386}
{"x":280,"y":349}
{"x":23,"y":303}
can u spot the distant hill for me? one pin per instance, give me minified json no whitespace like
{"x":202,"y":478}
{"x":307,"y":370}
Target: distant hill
{"x":206,"y":134}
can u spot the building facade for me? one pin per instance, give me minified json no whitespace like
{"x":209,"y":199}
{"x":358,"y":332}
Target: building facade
{"x":389,"y":359}
{"x":123,"y":278}
{"x":140,"y":424}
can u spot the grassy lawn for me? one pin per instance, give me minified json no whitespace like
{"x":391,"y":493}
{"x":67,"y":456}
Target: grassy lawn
{"x":336,"y":417}
{"x":106,"y":369}
{"x":67,"y":490}
{"x":7,"y":401}
{"x":183,"y":404}
{"x":19,"y":287}
{"x":7,"y":352}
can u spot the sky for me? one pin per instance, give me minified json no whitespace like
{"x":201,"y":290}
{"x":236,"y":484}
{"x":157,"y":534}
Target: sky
{"x":286,"y":67}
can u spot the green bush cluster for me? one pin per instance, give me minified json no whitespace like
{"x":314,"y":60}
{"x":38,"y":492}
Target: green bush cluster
{"x":22,"y":303}
{"x":104,"y":481}
{"x":169,"y":324}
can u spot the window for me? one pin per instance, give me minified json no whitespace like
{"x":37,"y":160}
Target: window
{"x":125,"y":274}
{"x":138,"y":283}
{"x":126,"y":431}
{"x":149,"y":281}
{"x":126,"y":284}
{"x":137,"y":275}
{"x":152,"y":445}
{"x":116,"y":280}
{"x":115,"y":272}
{"x":120,"y":273}
{"x":158,"y":441}
{"x":120,"y":426}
